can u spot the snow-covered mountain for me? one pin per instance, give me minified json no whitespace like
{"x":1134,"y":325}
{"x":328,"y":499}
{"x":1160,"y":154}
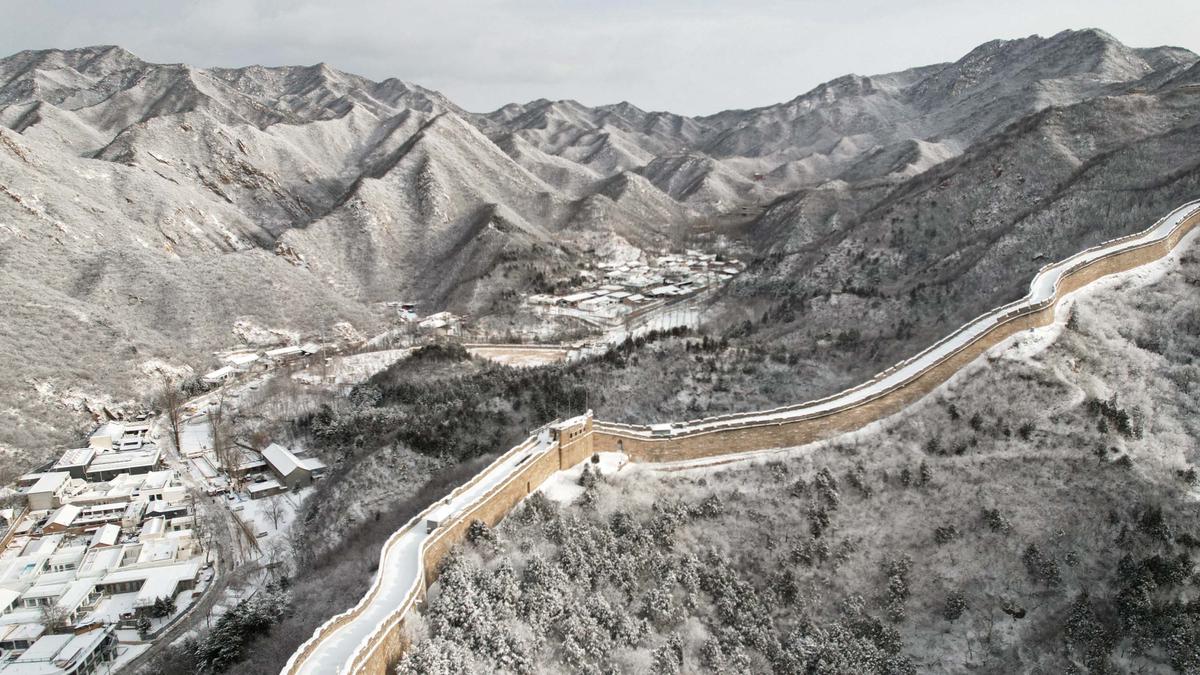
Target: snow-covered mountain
{"x":147,"y":208}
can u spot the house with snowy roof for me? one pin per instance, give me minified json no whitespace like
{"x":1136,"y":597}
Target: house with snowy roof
{"x":293,"y":471}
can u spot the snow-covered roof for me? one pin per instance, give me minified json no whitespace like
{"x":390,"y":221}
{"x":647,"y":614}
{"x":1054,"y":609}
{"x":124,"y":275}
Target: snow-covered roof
{"x":64,"y":515}
{"x":219,"y":374}
{"x":57,"y":653}
{"x":241,"y":359}
{"x":25,"y":630}
{"x":283,"y":351}
{"x":153,"y":527}
{"x":158,"y":581}
{"x":109,"y":430}
{"x":105,"y":535}
{"x":125,"y":461}
{"x":285,"y":462}
{"x":49,"y":482}
{"x":44,"y":590}
{"x":76,"y":457}
{"x":77,"y":591}
{"x":158,"y":551}
{"x":264,"y":486}
{"x":578,"y":297}
{"x":99,"y":561}
{"x":7,"y":597}
{"x":157,"y":480}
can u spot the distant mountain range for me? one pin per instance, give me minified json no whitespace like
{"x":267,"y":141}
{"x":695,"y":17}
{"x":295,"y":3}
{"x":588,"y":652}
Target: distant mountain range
{"x":149,"y":213}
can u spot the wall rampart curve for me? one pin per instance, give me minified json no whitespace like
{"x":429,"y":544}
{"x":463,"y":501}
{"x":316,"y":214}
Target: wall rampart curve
{"x":736,"y":433}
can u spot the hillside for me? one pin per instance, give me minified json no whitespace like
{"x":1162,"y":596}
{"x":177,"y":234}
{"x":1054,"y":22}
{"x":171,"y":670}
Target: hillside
{"x":152,"y":211}
{"x":1034,"y":514}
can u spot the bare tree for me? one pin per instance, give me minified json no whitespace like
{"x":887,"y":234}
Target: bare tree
{"x":171,"y":400}
{"x":208,"y":529}
{"x":54,"y":618}
{"x":226,"y":451}
{"x":275,"y":509}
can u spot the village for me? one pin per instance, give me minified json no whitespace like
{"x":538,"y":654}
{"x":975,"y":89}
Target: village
{"x":607,"y":294}
{"x":114,"y":543}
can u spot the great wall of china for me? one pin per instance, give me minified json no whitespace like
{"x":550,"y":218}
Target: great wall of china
{"x":369,"y":637}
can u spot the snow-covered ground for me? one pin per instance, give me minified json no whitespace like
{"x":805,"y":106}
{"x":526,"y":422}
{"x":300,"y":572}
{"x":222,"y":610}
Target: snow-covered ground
{"x":1042,"y":289}
{"x":521,"y":357}
{"x":195,"y":436}
{"x":130,"y":648}
{"x":353,"y":368}
{"x":270,"y":516}
{"x":400,"y":568}
{"x":564,"y":485}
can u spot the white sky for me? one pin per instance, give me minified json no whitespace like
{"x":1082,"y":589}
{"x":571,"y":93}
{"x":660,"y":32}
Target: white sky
{"x":688,"y":56}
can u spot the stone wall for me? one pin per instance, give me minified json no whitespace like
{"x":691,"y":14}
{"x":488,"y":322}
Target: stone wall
{"x":759,"y":435}
{"x":574,"y":441}
{"x":571,"y":444}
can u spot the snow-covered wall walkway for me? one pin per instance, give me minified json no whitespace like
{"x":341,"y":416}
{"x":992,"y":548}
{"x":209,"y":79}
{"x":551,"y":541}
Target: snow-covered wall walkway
{"x":350,"y":642}
{"x":1044,"y":292}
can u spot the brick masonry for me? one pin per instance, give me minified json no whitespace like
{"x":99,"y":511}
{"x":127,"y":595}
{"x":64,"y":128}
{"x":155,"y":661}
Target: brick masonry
{"x":573,"y":444}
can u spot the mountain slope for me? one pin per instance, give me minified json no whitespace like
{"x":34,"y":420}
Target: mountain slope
{"x":172,"y":205}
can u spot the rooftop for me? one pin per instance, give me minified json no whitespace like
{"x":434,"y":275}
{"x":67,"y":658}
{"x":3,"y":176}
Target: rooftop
{"x":285,"y":461}
{"x":49,"y":482}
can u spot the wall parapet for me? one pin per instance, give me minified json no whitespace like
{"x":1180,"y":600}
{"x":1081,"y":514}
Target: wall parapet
{"x":560,"y":445}
{"x":1046,"y":290}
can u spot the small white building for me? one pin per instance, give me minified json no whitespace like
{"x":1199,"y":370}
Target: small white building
{"x":62,"y":518}
{"x":219,"y":375}
{"x":242,"y":361}
{"x":283,"y":354}
{"x":75,"y":462}
{"x":47,"y":492}
{"x":66,"y":653}
{"x":106,"y":535}
{"x":107,"y":436}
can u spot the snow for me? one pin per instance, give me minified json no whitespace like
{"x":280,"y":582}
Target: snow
{"x":564,"y":487}
{"x":126,"y":652}
{"x":1021,"y":347}
{"x":352,"y":368}
{"x":195,"y":436}
{"x":520,"y":357}
{"x":401,"y":566}
{"x":256,"y":513}
{"x":400,"y":569}
{"x":1042,"y":290}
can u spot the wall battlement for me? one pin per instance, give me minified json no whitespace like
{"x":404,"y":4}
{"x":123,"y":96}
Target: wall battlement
{"x":564,"y":444}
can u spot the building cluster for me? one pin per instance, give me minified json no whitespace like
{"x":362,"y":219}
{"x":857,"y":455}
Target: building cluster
{"x":614,"y":288}
{"x":102,"y":538}
{"x":240,"y":362}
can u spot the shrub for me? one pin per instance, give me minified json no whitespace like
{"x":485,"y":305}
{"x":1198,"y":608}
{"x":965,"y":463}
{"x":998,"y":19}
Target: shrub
{"x":944,"y":534}
{"x":996,"y":522}
{"x":955,"y":605}
{"x":1041,"y":567}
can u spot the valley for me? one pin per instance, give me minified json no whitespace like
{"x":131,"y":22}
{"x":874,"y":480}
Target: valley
{"x":759,"y":370}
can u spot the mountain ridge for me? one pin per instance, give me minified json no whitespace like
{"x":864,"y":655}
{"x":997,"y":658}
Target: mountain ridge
{"x":179,"y":201}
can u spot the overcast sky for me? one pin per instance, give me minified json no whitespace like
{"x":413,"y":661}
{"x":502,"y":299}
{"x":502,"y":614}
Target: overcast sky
{"x":688,"y":56}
